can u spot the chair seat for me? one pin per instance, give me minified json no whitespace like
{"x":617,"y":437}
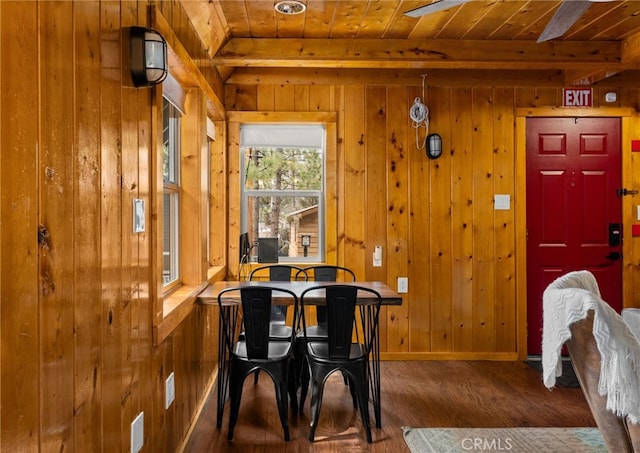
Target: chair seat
{"x":279,"y":332}
{"x":319,"y":351}
{"x":315,"y":333}
{"x":278,"y":350}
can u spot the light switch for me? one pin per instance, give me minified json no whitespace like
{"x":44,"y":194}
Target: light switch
{"x":138,"y":215}
{"x":377,"y":256}
{"x":502,"y":202}
{"x":403,"y":285}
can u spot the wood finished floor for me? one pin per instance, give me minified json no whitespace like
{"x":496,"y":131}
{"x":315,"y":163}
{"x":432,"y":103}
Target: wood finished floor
{"x":417,"y":394}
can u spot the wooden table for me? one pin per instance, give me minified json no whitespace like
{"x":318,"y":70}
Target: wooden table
{"x":210,"y":297}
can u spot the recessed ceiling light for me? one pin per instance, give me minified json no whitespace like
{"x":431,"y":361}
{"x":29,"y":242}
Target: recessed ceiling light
{"x":290,"y":7}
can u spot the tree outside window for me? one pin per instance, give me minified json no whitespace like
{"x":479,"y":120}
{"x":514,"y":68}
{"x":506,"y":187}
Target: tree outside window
{"x":283,"y":198}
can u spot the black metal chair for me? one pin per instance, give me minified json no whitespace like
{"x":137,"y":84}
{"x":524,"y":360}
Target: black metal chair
{"x":278,"y":328}
{"x":317,"y":332}
{"x":256,"y":351}
{"x":339,"y":352}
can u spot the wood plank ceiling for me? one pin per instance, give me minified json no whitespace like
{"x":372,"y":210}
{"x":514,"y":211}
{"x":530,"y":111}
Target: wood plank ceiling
{"x":358,"y":40}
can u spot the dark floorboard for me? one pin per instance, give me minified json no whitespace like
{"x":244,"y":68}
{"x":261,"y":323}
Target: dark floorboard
{"x":415,"y":393}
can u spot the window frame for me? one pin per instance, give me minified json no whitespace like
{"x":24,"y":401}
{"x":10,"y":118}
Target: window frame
{"x":246,"y":194}
{"x":234,"y":120}
{"x":172,"y":188}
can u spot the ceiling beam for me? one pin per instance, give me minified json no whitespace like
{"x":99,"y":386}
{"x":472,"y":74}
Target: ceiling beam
{"x":417,"y":54}
{"x":404,"y":77}
{"x":631,"y":50}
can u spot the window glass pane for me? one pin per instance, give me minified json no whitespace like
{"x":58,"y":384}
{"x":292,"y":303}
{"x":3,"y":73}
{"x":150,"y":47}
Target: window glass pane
{"x":291,"y":219}
{"x":171,"y":178}
{"x":283,"y":188}
{"x":283,"y":169}
{"x":170,"y":240}
{"x":170,"y":142}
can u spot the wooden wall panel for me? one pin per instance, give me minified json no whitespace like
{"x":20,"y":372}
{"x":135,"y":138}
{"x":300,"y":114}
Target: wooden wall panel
{"x":55,"y":172}
{"x":462,"y":220}
{"x":87,"y":308}
{"x":483,"y":227}
{"x":219,"y":237}
{"x":131,"y":368}
{"x":397,"y":265}
{"x":376,"y":184}
{"x":20,"y":236}
{"x":354,"y":190}
{"x":440,"y":239}
{"x":419,"y":231}
{"x":285,"y":100}
{"x":504,"y":224}
{"x":111,"y":228}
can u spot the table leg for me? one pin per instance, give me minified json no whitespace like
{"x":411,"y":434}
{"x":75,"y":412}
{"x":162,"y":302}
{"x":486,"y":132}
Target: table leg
{"x":224,"y":357}
{"x":367,"y":314}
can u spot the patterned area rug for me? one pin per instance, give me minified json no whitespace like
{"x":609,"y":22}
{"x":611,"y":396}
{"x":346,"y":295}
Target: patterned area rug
{"x":514,"y":440}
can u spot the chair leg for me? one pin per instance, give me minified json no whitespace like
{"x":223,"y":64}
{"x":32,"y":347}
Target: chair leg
{"x":304,"y":384}
{"x":353,"y":389}
{"x":363,"y":400}
{"x":317,"y":388}
{"x":235,"y":395}
{"x":282,"y":388}
{"x":292,"y":384}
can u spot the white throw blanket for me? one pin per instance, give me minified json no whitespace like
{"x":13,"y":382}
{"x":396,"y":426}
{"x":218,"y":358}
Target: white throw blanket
{"x":567,"y":300}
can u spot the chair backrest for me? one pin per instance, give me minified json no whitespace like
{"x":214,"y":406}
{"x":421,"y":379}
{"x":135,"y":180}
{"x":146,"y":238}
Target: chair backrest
{"x":341,"y":302}
{"x":329,"y":273}
{"x":255,"y":305}
{"x":279,"y":273}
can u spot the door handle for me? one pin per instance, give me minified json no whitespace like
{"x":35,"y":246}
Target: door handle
{"x":614,"y":256}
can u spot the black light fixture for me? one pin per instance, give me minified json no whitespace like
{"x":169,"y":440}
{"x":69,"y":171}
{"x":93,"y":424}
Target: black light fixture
{"x":434,"y":146}
{"x":148,"y":57}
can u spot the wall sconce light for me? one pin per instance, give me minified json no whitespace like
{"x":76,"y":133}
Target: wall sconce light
{"x":306,"y":242}
{"x":434,"y":146}
{"x":148,"y":55}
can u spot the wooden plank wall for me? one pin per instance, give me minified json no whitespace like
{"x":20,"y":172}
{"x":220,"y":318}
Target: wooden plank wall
{"x":434,"y":218}
{"x":77,"y":359}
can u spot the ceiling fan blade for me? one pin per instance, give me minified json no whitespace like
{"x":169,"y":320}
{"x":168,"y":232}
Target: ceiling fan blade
{"x":434,"y":7}
{"x":566,"y":15}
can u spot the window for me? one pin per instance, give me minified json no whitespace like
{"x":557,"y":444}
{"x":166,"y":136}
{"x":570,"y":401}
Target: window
{"x":171,"y":118}
{"x":282,"y":194}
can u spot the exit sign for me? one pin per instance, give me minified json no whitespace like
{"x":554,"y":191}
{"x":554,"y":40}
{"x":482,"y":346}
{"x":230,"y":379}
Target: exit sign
{"x":577,"y":97}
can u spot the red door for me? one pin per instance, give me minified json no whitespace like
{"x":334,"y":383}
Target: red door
{"x":573,"y":210}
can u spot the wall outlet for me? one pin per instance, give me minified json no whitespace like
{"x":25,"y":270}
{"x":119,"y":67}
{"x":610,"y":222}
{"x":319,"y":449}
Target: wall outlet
{"x":403,"y":285}
{"x":169,"y":390}
{"x":137,"y":433}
